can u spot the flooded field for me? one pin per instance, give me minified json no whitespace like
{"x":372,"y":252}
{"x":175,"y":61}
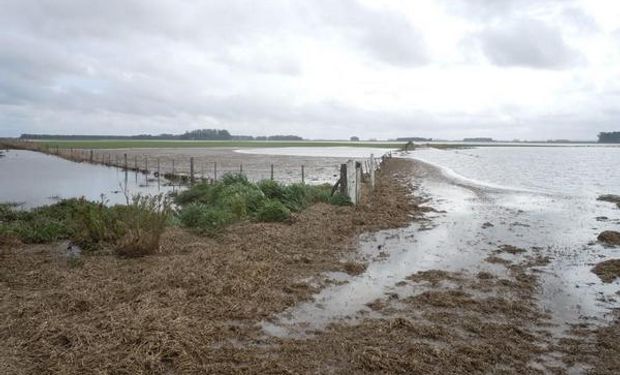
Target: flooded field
{"x":510,"y":206}
{"x":321,"y":165}
{"x":33,"y":179}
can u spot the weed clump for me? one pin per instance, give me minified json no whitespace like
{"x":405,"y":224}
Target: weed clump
{"x":208,"y":207}
{"x":132,"y":230}
{"x":273,"y":211}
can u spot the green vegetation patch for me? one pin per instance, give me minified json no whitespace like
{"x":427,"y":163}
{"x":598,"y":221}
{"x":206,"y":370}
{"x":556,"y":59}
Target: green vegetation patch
{"x":208,"y":207}
{"x":131,"y":230}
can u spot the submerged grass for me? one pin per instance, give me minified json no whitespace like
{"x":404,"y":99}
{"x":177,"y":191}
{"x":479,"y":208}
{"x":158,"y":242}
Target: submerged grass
{"x":208,"y":207}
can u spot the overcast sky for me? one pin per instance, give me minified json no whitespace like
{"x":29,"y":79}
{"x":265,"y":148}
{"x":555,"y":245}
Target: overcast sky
{"x":525,"y":69}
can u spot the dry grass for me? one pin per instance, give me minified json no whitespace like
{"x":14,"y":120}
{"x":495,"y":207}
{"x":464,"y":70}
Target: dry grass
{"x":183,"y":309}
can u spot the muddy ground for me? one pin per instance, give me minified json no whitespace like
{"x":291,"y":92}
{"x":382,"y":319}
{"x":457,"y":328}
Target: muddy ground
{"x":212,"y":163}
{"x":199,"y":304}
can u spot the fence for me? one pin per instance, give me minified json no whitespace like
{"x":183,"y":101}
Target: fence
{"x":189,"y":170}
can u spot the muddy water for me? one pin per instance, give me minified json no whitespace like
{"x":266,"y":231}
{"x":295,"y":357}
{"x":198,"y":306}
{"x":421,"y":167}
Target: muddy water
{"x":35,"y":179}
{"x":549,"y":210}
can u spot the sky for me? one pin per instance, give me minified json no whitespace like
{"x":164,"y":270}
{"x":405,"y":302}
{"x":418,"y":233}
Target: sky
{"x":321,"y":69}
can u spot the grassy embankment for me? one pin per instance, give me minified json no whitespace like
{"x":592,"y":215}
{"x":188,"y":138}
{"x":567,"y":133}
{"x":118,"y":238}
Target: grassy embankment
{"x":134,"y":229}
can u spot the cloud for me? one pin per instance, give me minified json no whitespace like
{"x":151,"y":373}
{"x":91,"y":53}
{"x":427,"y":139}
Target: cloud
{"x":527,"y":43}
{"x":318,"y":68}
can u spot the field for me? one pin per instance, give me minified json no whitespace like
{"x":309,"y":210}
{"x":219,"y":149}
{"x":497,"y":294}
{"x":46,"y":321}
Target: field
{"x":116,"y":144}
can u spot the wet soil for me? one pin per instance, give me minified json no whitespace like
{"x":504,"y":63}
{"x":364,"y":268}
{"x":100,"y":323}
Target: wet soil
{"x":608,"y":270}
{"x":610,"y":237}
{"x":186,"y":309}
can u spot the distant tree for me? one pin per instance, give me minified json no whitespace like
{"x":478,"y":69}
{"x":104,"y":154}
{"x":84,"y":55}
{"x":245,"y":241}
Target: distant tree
{"x":207,"y":134}
{"x":610,"y":137}
{"x":285,"y":138}
{"x":355,"y":139}
{"x":414,"y":139}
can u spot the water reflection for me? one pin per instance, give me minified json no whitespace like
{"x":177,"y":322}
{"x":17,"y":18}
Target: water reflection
{"x":37,"y":179}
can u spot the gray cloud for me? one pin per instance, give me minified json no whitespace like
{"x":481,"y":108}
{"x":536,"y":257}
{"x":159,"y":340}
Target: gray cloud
{"x":527,"y":43}
{"x":147,"y":66}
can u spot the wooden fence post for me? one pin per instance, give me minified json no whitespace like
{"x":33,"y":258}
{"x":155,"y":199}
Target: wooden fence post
{"x":214,"y":171}
{"x":352,"y":181}
{"x":303,"y":177}
{"x":271,"y":172}
{"x":372,"y":171}
{"x":191,"y":170}
{"x":343,"y":179}
{"x":146,"y":164}
{"x":91,"y":156}
{"x":125,"y":157}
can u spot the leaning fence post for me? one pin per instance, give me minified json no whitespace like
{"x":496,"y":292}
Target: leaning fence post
{"x":191,"y":170}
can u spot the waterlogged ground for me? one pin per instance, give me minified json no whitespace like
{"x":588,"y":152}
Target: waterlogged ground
{"x":542,"y":224}
{"x":34,"y":179}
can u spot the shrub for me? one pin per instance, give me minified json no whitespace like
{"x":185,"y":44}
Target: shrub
{"x":95,"y":224}
{"x":142,"y":222}
{"x":241,"y":199}
{"x":203,"y":218}
{"x":272,"y":211}
{"x":271,"y":189}
{"x":295,"y":197}
{"x":235,"y":178}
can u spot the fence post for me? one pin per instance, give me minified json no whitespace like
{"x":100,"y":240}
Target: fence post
{"x":240,"y":168}
{"x":125,"y":157}
{"x":343,"y":179}
{"x":91,"y":156}
{"x":158,"y":174}
{"x":352,"y":181}
{"x":191,"y":170}
{"x":173,"y":171}
{"x":358,"y":182}
{"x":135,"y":162}
{"x":303,"y":177}
{"x":214,"y":171}
{"x":271,"y":172}
{"x":372,"y":171}
{"x":146,"y":164}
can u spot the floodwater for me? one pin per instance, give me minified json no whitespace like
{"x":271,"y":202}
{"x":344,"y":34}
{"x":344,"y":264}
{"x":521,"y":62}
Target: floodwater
{"x":34,"y":179}
{"x":539,"y":199}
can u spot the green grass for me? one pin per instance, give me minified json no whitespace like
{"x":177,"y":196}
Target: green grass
{"x":206,"y":208}
{"x":131,"y":230}
{"x":115,"y":144}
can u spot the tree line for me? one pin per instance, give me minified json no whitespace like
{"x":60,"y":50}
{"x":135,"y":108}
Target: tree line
{"x":609,"y":137}
{"x":198,"y":134}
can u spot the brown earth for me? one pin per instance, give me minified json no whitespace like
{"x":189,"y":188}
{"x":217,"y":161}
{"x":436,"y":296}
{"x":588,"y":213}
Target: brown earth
{"x":179,"y":311}
{"x":609,"y":237}
{"x":608,"y":270}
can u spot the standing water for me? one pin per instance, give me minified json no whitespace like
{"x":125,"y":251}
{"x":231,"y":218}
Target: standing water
{"x":34,"y":179}
{"x":539,"y":199}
